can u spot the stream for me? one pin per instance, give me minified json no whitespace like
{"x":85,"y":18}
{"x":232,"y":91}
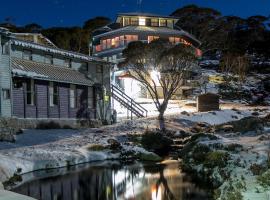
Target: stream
{"x":112,"y":180}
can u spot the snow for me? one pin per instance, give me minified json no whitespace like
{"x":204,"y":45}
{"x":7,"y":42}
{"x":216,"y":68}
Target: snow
{"x":19,"y":72}
{"x":54,"y":50}
{"x":217,"y":117}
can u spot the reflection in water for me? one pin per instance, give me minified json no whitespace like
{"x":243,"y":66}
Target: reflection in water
{"x":111,"y":181}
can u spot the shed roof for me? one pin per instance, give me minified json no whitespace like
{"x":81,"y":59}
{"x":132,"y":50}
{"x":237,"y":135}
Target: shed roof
{"x":43,"y":71}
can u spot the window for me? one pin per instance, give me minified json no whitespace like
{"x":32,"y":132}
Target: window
{"x":30,"y":92}
{"x":154,"y":22}
{"x":17,"y":83}
{"x":162,"y":22}
{"x":170,"y":23}
{"x":27,"y":55}
{"x":84,"y":66}
{"x":6,"y":94}
{"x":5,"y":48}
{"x":72,"y":96}
{"x":99,"y":69}
{"x":90,"y":97}
{"x":49,"y":59}
{"x":151,"y":38}
{"x":131,"y":38}
{"x":67,"y":63}
{"x":142,"y":22}
{"x":126,"y":21}
{"x":122,"y":40}
{"x":53,"y":94}
{"x":134,"y":21}
{"x":104,"y":44}
{"x":98,"y":48}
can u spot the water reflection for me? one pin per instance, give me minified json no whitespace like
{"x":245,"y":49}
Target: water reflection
{"x":112,"y":181}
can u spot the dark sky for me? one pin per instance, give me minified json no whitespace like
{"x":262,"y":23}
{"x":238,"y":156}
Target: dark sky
{"x":75,"y":12}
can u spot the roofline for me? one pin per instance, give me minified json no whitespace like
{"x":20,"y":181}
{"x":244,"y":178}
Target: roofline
{"x":56,"y":50}
{"x":147,"y":15}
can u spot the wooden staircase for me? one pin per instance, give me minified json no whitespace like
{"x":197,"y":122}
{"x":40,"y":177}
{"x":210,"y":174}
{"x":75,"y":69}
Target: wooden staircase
{"x":128,"y":102}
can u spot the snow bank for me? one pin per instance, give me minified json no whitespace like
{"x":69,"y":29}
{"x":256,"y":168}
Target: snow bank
{"x":217,"y":117}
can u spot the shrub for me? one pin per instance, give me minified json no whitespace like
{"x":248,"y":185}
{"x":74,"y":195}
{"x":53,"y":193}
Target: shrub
{"x":257,"y":169}
{"x":264,"y":179}
{"x":234,"y":147}
{"x":216,"y":159}
{"x":96,"y":147}
{"x":203,"y":135}
{"x":200,"y":152}
{"x":156,"y":141}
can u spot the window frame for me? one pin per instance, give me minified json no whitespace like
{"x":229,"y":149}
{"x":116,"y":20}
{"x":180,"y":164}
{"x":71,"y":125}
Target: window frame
{"x":6,"y":93}
{"x":68,"y":63}
{"x":50,"y":57}
{"x":5,"y":50}
{"x":53,"y":94}
{"x":72,"y":96}
{"x":30,"y":92}
{"x":27,"y":56}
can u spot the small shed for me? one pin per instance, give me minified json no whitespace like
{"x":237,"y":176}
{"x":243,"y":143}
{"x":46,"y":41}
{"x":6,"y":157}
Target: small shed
{"x":207,"y":102}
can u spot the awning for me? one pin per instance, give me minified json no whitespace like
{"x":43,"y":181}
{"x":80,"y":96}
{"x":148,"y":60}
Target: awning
{"x":43,"y":71}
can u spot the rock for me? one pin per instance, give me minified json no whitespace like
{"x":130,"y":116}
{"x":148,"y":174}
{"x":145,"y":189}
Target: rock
{"x":7,"y":135}
{"x":149,"y":157}
{"x":114,"y":144}
{"x":226,"y":128}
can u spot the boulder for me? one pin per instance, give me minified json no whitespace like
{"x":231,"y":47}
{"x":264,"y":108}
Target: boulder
{"x":114,"y":144}
{"x":7,"y":135}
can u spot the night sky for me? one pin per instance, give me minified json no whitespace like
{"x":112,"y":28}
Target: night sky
{"x":74,"y":12}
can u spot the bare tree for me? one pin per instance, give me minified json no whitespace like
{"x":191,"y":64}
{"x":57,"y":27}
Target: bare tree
{"x":159,"y":65}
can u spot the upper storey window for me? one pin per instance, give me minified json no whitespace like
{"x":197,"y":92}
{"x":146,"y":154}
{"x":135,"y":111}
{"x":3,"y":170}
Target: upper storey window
{"x":151,"y":38}
{"x":154,"y":22}
{"x":126,"y":21}
{"x":5,"y":48}
{"x":134,"y":21}
{"x":49,"y":59}
{"x":27,"y":55}
{"x":162,"y":22}
{"x":67,"y":63}
{"x":142,"y":21}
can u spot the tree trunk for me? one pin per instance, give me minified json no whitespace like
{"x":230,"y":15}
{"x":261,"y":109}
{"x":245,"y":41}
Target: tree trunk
{"x":161,"y":115}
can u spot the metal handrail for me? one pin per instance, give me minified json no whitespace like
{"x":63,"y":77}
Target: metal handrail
{"x":129,"y":101}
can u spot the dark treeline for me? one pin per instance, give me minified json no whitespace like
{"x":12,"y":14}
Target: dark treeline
{"x":217,"y":33}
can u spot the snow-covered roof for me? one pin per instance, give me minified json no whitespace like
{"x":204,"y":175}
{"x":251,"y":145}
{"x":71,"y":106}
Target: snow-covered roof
{"x":35,"y":38}
{"x":149,"y":30}
{"x":43,"y":71}
{"x":142,"y":14}
{"x":55,"y":50}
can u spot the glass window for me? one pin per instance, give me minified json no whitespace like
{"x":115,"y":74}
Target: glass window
{"x":117,"y":41}
{"x":30,"y":92}
{"x":6,"y":94}
{"x":53,"y":93}
{"x":142,"y":22}
{"x":99,"y":68}
{"x":170,"y":23}
{"x":154,"y":22}
{"x":98,"y":48}
{"x":90,"y":97}
{"x":17,"y":83}
{"x":27,"y":55}
{"x":134,"y":21}
{"x":72,"y":96}
{"x":5,"y":48}
{"x":126,"y":21}
{"x":67,"y":63}
{"x":104,"y":45}
{"x":151,"y":38}
{"x":130,"y":38}
{"x":122,"y":40}
{"x":162,"y":22}
{"x":49,"y":59}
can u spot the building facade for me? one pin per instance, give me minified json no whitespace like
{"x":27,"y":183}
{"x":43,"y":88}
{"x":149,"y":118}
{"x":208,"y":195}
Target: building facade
{"x":109,"y":42}
{"x":39,"y":80}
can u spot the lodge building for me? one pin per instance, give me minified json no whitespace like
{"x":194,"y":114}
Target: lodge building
{"x":40,"y":80}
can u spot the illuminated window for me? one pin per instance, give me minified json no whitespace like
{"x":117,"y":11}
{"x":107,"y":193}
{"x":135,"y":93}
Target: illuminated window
{"x":170,"y":23}
{"x":122,"y":40}
{"x":154,"y":22}
{"x":162,"y":22}
{"x":98,"y":48}
{"x":141,"y":21}
{"x":104,"y":45}
{"x":126,"y":21}
{"x":151,"y":38}
{"x":117,"y":40}
{"x":131,"y":38}
{"x":113,"y":42}
{"x":134,"y":21}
